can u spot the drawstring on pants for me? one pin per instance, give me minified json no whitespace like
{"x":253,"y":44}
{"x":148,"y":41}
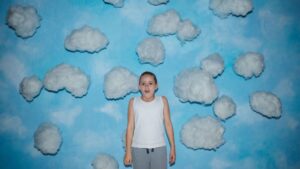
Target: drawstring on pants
{"x":148,"y":150}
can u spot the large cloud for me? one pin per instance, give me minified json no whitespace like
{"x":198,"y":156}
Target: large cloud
{"x":266,"y":103}
{"x":213,"y":64}
{"x":195,"y":85}
{"x":151,"y":50}
{"x":157,"y":2}
{"x":47,"y":139}
{"x":115,"y":3}
{"x":67,"y":77}
{"x":86,"y":39}
{"x":224,"y":107}
{"x":105,"y":161}
{"x":187,"y":31}
{"x":202,"y":132}
{"x":119,"y":82}
{"x":12,"y":124}
{"x":23,"y":19}
{"x":249,"y":64}
{"x":30,"y":87}
{"x":223,"y":8}
{"x":164,"y":24}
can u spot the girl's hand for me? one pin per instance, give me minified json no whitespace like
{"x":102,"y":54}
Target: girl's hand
{"x":128,"y":158}
{"x":172,"y":157}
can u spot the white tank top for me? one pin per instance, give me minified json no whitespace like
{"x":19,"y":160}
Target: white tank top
{"x":149,"y":123}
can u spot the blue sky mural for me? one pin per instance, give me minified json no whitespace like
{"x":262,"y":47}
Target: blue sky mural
{"x":229,"y":69}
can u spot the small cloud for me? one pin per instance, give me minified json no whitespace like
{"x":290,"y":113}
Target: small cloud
{"x":202,"y":133}
{"x":223,"y":8}
{"x":105,"y":161}
{"x":30,"y":87}
{"x":187,"y":31}
{"x":213,"y":64}
{"x":266,"y":104}
{"x":111,"y":110}
{"x":115,"y":3}
{"x":67,"y":77}
{"x":119,"y":82}
{"x":195,"y":85}
{"x":23,"y":19}
{"x":164,"y":24}
{"x":12,"y":124}
{"x":86,"y":39}
{"x":224,"y":107}
{"x":151,"y":50}
{"x":66,"y":117}
{"x":249,"y":64}
{"x":47,"y":139}
{"x":157,"y":2}
{"x":218,"y":163}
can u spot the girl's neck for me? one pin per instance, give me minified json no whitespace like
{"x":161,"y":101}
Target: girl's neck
{"x":149,"y":99}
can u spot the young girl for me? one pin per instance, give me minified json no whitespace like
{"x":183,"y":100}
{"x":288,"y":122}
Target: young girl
{"x":148,"y":118}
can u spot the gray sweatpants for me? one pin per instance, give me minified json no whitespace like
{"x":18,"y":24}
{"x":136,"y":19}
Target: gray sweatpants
{"x":152,"y":158}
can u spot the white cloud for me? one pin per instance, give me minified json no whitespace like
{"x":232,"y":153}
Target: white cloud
{"x":195,"y":85}
{"x":105,"y":161}
{"x":202,"y":133}
{"x":23,"y":19}
{"x":249,"y":64}
{"x":164,"y":24}
{"x":12,"y":124}
{"x":67,"y":116}
{"x":119,"y":82}
{"x":213,"y":64}
{"x":224,"y":107}
{"x":47,"y":139}
{"x":86,"y":39}
{"x":67,"y":77}
{"x":30,"y":87}
{"x":115,"y":3}
{"x":223,"y":8}
{"x":187,"y":31}
{"x":157,"y":2}
{"x":111,"y":110}
{"x":265,"y":103}
{"x":151,"y":50}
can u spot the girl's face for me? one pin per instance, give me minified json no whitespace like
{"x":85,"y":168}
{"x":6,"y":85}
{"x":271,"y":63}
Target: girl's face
{"x":147,"y":86}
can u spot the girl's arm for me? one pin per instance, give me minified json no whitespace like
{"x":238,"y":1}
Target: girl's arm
{"x":169,"y":129}
{"x":129,"y":134}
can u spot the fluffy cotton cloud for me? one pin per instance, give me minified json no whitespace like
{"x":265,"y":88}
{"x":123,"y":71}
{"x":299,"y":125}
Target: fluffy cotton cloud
{"x":224,"y":107}
{"x":23,"y":19}
{"x":157,"y":2}
{"x":12,"y":124}
{"x":86,"y":39}
{"x":213,"y":64}
{"x":223,"y":8}
{"x":195,"y":85}
{"x":112,"y":110}
{"x":266,"y":103}
{"x":115,"y":3}
{"x":202,"y":132}
{"x":249,"y":64}
{"x":151,"y":50}
{"x":30,"y":87}
{"x":105,"y":161}
{"x":119,"y":82}
{"x":187,"y":31}
{"x":67,"y":77}
{"x":164,"y":24}
{"x":47,"y":139}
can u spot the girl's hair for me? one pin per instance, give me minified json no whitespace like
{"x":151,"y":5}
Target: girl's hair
{"x":148,"y":73}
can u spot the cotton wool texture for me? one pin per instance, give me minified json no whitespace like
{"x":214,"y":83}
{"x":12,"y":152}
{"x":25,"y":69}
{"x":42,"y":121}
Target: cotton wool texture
{"x":202,"y":133}
{"x":47,"y":139}
{"x":157,"y":2}
{"x":115,"y":3}
{"x":223,"y":8}
{"x":266,"y":104}
{"x":249,"y":65}
{"x":151,"y":50}
{"x":23,"y":19}
{"x":105,"y":161}
{"x":67,"y":77}
{"x":119,"y":82}
{"x":187,"y":31}
{"x":86,"y":39}
{"x":30,"y":87}
{"x":224,"y":107}
{"x":213,"y":64}
{"x":195,"y":85}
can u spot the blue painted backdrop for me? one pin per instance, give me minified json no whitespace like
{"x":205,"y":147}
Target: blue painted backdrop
{"x":251,"y":140}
